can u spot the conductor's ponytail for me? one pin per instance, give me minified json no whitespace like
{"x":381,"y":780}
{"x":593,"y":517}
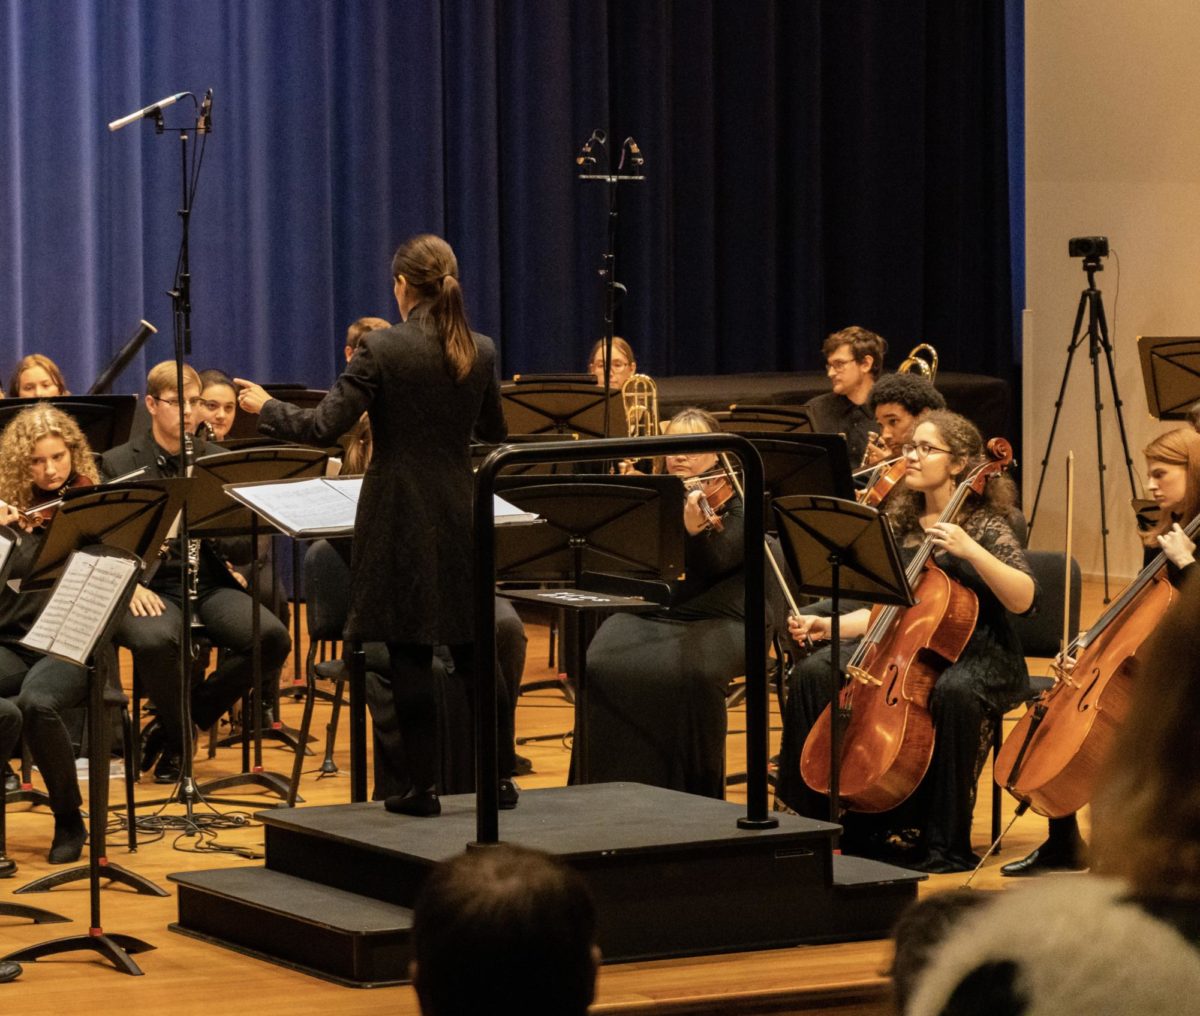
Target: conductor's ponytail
{"x":430,"y":270}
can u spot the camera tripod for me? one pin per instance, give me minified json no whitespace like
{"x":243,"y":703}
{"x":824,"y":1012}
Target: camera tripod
{"x":1097,"y":340}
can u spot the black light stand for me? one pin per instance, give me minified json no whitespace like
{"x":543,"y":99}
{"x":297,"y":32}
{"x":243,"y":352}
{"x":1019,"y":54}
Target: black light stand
{"x":586,"y":161}
{"x":1098,"y":342}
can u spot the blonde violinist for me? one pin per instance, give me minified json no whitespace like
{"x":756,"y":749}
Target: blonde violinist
{"x":656,"y":699}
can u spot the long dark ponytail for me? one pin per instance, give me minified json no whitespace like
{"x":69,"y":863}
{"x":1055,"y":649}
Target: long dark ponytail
{"x":430,"y":269}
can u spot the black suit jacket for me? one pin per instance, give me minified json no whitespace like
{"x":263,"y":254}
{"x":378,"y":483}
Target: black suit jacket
{"x":411,"y":560}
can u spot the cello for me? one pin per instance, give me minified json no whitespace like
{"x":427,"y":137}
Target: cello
{"x":1051,"y":758}
{"x":889,"y":735}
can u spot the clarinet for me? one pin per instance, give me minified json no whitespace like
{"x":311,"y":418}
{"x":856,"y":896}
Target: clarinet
{"x":193,"y":546}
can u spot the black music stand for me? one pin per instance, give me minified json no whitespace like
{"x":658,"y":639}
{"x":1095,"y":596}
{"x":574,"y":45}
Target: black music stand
{"x":1171,"y":374}
{"x":562,"y":408}
{"x":213,"y":513}
{"x":479,"y":452}
{"x":834,"y":547}
{"x":8,"y":544}
{"x":130,"y":518}
{"x":738,"y":419}
{"x":102,"y":615}
{"x":336,"y":501}
{"x":105,"y":420}
{"x":614,"y":540}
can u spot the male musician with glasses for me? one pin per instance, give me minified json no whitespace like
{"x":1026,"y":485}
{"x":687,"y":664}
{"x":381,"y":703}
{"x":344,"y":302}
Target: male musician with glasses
{"x":853,"y":362}
{"x":152,"y":630}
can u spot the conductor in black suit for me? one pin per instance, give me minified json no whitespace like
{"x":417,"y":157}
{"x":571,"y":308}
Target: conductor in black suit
{"x":428,"y":384}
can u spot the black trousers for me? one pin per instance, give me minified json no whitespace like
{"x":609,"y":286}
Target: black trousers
{"x":228,"y":621}
{"x":44,"y":687}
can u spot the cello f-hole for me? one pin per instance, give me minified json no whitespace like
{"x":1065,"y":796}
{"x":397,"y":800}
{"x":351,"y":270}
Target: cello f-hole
{"x":891,"y":698}
{"x":1084,"y":704}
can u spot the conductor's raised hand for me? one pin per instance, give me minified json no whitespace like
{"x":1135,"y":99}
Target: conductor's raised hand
{"x":251,"y":397}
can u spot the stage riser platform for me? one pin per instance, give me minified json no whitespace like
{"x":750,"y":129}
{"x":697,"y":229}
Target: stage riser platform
{"x":671,"y":873}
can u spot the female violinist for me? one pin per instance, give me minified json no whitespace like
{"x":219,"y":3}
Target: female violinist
{"x":37,"y":376}
{"x":656,"y":699}
{"x":1173,"y":481}
{"x":42,"y":452}
{"x":981,"y":552}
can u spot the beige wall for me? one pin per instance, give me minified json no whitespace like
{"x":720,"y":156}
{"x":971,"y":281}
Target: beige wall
{"x":1112,"y":148}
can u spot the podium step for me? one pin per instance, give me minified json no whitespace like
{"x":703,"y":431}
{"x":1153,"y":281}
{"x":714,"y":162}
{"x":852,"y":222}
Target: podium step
{"x":330,"y":933}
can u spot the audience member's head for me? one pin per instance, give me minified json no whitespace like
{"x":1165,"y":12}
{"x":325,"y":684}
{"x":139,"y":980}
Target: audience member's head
{"x":356,"y":331}
{"x":37,"y":377}
{"x":920,"y":932}
{"x":1146,"y":810}
{"x":622,"y":364}
{"x":853,"y":360}
{"x":163,"y":400}
{"x":897,"y":402}
{"x":504,"y":929}
{"x":218,"y":402}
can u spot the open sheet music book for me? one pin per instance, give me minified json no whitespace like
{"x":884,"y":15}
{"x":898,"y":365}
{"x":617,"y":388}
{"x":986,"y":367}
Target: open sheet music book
{"x":81,"y":605}
{"x":326,"y":506}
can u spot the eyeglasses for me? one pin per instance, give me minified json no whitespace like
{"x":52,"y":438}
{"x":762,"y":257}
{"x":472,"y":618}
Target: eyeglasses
{"x":174,"y":403}
{"x":923,"y":449}
{"x":837,"y":366}
{"x":613,"y":364}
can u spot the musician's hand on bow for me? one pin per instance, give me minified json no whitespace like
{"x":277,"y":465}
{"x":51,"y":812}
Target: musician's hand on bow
{"x":251,"y":397}
{"x":877,"y":450}
{"x":145,"y":603}
{"x":808,"y":626}
{"x":9,"y":515}
{"x":952,"y":539}
{"x":1180,"y":550}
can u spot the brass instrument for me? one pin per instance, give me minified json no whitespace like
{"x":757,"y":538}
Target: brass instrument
{"x":639,"y":395}
{"x":921,"y":360}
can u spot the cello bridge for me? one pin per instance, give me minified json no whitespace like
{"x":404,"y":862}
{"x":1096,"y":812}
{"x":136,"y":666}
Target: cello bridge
{"x":863,"y":676}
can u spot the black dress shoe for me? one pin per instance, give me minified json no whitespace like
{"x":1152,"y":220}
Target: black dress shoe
{"x":154,"y":743}
{"x":418,"y":803}
{"x":168,"y":768}
{"x":69,"y":836}
{"x":8,"y":867}
{"x":521,"y":766}
{"x":12,"y":782}
{"x":1049,"y":856}
{"x":9,"y":971}
{"x":509,"y":793}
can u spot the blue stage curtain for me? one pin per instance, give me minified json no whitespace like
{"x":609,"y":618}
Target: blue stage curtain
{"x":810,"y":165}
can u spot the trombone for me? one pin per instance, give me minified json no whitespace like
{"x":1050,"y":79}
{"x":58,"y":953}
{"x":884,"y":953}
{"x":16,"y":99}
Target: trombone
{"x":922,"y":360}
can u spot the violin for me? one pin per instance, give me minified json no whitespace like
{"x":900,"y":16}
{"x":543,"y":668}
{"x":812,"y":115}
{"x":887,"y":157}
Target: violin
{"x":889,"y":735}
{"x":46,"y":503}
{"x":884,"y":477}
{"x":1050,"y":760}
{"x":716,"y":488}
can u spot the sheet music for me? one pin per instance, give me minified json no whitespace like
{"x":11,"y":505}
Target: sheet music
{"x":506,"y":514}
{"x":80,"y":606}
{"x":304,"y":506}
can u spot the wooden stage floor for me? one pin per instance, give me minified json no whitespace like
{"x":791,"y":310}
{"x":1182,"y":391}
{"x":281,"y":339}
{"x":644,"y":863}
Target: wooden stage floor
{"x":188,"y":976}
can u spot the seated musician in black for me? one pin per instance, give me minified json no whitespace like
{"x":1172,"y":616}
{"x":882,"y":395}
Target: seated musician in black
{"x":853,"y":362}
{"x":657,"y":683}
{"x":42,"y":452}
{"x":153,"y":628}
{"x":989,"y":677}
{"x":898,"y":401}
{"x":1173,"y":481}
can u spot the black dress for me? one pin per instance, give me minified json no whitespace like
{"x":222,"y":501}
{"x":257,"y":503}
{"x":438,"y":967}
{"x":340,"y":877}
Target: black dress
{"x":656,"y":683}
{"x":411,"y":560}
{"x":989,"y":678}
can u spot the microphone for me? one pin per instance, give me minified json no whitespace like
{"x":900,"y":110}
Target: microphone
{"x":204,"y":121}
{"x":585,"y":156}
{"x":146,"y":111}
